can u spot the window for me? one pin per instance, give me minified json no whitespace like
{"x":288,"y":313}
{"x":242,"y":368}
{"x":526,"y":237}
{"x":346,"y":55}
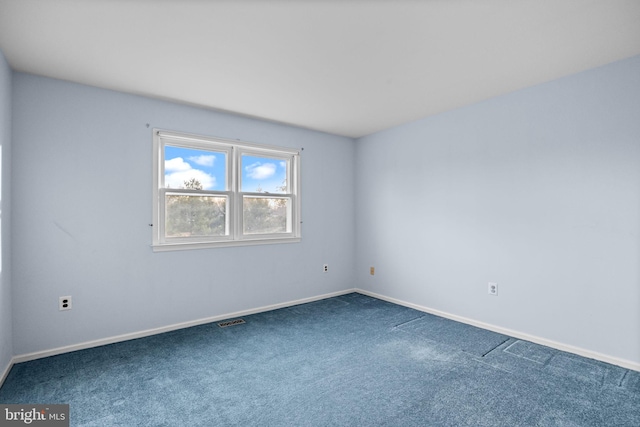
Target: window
{"x":211,"y":192}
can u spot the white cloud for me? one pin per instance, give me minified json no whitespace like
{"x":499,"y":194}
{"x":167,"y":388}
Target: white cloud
{"x":203,"y":160}
{"x":177,"y":164}
{"x":260,"y":171}
{"x":178,"y":171}
{"x":177,"y":179}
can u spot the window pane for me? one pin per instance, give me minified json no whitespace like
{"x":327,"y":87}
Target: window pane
{"x":195,"y":215}
{"x":265,"y":215}
{"x":195,"y":169}
{"x":264,"y":175}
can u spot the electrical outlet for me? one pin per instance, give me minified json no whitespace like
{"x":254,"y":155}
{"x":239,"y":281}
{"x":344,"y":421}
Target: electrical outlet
{"x":493,"y":289}
{"x":325,"y":268}
{"x":372,"y":270}
{"x":64,"y":303}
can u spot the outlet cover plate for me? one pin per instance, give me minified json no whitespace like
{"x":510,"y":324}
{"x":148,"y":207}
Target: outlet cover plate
{"x":64,"y":303}
{"x":492,"y":289}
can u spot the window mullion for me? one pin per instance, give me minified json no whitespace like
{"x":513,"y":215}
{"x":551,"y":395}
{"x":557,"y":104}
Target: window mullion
{"x":237,"y":205}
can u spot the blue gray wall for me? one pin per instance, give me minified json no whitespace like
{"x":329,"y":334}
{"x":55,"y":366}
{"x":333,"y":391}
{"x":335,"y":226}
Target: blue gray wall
{"x":538,"y":190}
{"x":6,"y":330}
{"x":82,"y":201}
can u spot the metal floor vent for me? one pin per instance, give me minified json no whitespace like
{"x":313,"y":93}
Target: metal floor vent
{"x":231,"y":323}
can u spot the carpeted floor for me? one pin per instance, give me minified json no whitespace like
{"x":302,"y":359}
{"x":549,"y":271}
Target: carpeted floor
{"x":345,"y":361}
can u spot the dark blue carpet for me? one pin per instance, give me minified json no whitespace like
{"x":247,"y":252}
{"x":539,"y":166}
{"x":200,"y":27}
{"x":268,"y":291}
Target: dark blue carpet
{"x":345,"y":361}
{"x":468,"y":338}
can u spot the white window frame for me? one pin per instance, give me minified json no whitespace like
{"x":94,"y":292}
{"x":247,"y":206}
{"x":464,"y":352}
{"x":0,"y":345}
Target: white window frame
{"x":234,"y":215}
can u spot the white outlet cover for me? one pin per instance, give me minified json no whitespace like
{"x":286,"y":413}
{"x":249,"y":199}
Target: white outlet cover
{"x":493,"y":288}
{"x":64,"y":303}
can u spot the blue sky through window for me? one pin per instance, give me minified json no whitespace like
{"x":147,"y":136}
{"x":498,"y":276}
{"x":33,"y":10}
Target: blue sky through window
{"x":264,"y":174}
{"x":182,"y":164}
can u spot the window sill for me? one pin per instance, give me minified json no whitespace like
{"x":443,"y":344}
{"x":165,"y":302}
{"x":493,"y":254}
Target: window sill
{"x":167,"y":247}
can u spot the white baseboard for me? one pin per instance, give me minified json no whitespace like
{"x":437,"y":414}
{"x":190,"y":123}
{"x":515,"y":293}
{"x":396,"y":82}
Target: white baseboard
{"x":126,"y":337}
{"x":520,"y":335}
{"x":627,"y":364}
{"x":6,"y":371}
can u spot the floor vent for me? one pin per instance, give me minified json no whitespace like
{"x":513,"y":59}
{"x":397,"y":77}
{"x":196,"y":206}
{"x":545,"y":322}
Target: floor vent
{"x":231,"y":323}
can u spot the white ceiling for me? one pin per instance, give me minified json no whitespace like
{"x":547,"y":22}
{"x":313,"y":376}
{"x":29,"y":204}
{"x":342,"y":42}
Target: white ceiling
{"x":349,"y":67}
